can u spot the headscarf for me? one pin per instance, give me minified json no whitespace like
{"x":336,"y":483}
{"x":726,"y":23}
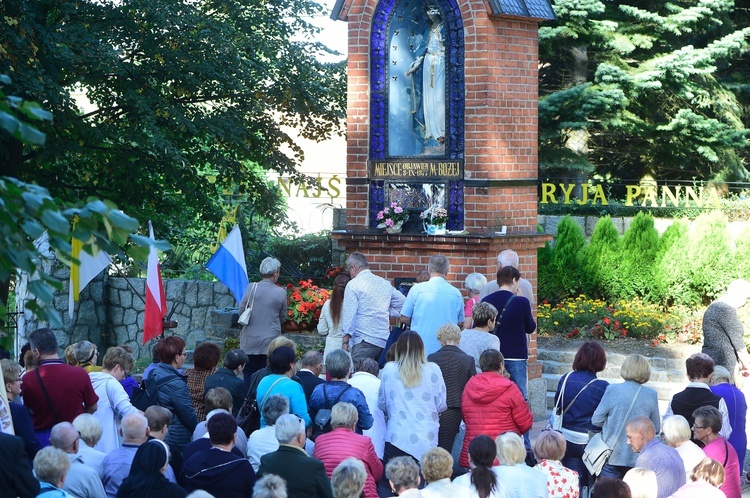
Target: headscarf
{"x":145,"y":472}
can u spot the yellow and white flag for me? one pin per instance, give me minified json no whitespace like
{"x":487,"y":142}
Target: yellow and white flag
{"x":84,"y":272}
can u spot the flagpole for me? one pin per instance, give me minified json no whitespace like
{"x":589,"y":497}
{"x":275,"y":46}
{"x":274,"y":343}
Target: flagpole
{"x":166,"y":323}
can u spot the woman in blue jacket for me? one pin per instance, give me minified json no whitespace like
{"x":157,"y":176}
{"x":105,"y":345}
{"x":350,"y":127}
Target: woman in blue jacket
{"x":173,"y":392}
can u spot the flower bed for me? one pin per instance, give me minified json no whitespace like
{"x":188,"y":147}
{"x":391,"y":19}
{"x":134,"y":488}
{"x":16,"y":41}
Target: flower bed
{"x":582,"y":317}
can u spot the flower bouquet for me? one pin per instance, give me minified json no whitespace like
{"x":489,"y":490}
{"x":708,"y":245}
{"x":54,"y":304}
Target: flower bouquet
{"x":392,"y":218}
{"x":434,"y":219}
{"x":304,"y":303}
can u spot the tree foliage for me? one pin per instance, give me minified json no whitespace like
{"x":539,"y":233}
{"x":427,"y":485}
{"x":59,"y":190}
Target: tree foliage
{"x":635,"y":87}
{"x":188,"y":100}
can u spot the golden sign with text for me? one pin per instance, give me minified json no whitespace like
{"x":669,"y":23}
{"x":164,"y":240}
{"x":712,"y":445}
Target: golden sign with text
{"x":417,"y":169}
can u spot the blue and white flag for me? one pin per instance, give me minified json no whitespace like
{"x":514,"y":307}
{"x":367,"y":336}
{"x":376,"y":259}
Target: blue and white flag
{"x":228,"y":264}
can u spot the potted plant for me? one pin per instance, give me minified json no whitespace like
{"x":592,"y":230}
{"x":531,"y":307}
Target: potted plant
{"x":434,"y":219}
{"x":303,"y":305}
{"x":392,"y":218}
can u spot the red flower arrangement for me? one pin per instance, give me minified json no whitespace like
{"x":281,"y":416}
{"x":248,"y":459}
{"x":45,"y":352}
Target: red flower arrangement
{"x":304,"y":302}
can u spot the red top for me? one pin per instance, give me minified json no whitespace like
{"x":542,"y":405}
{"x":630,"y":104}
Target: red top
{"x":69,"y":389}
{"x":334,"y":447}
{"x":492,"y":405}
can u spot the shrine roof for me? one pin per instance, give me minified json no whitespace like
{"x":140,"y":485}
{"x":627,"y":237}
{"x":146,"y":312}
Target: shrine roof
{"x":529,"y":9}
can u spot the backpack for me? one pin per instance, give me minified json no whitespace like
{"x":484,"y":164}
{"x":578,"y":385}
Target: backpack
{"x":322,"y":420}
{"x":147,"y":394}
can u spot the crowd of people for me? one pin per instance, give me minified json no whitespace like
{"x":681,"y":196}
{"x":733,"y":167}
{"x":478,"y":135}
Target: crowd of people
{"x":435,"y":407}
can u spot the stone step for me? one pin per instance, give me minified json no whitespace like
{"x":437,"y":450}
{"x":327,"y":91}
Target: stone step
{"x":613,"y":359}
{"x":665,"y":390}
{"x":613,"y":371}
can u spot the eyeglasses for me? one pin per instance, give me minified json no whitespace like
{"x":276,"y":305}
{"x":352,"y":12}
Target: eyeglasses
{"x":349,"y":268}
{"x":696,"y":427}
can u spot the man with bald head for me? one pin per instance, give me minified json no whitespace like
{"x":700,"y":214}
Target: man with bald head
{"x":81,"y":480}
{"x":655,"y":455}
{"x":116,"y":465}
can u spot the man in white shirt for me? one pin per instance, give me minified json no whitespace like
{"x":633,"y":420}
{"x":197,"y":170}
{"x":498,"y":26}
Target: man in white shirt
{"x":369,"y":302}
{"x":263,"y":441}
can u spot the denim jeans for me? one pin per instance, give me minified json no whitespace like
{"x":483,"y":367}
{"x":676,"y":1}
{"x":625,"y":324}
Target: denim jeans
{"x":573,"y":461}
{"x":519,"y":376}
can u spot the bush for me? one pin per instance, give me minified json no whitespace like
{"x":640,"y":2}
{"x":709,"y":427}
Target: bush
{"x":710,"y":257}
{"x":563,"y":275}
{"x":635,"y":275}
{"x":600,"y":258}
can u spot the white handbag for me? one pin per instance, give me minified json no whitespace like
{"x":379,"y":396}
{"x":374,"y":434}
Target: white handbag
{"x":244,"y":318}
{"x":597,"y":451}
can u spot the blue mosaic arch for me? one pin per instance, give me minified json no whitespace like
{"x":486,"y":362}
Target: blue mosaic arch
{"x":379,"y":78}
{"x":455,"y":100}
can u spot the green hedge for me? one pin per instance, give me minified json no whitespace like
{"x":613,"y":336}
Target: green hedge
{"x":685,"y":266}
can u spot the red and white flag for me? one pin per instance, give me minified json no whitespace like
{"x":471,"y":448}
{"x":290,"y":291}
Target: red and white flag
{"x":156,"y":303}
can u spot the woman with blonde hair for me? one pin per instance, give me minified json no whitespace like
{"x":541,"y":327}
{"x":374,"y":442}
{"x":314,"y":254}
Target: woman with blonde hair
{"x":549,"y":449}
{"x":412,"y":396}
{"x":642,"y":483}
{"x":330,"y":316}
{"x":677,"y":434}
{"x":612,"y":413}
{"x":348,"y":479}
{"x":705,"y":480}
{"x":520,"y":480}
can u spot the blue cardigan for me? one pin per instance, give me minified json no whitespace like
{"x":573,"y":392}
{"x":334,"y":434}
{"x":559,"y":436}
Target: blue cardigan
{"x":517,"y":322}
{"x":578,"y":416}
{"x":290,"y":389}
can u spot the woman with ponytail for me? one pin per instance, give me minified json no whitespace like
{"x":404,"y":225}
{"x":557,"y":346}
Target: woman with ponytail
{"x":482,"y":480}
{"x":330,"y":316}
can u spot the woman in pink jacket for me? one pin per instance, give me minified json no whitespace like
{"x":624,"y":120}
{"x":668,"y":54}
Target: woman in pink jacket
{"x":492,"y":404}
{"x":342,"y":442}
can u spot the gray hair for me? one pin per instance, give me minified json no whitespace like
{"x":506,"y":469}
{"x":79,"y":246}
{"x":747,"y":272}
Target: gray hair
{"x":710,"y":417}
{"x":348,"y":478}
{"x":403,"y":472}
{"x":199,"y":493}
{"x":357,"y":259}
{"x":89,"y":427}
{"x":63,"y":436}
{"x":737,"y":293}
{"x":676,"y":429}
{"x":276,"y":406}
{"x":344,"y":415}
{"x":449,"y":333}
{"x":10,"y":369}
{"x":51,"y":464}
{"x":367,"y":365}
{"x":269,"y":486}
{"x":338,"y":363}
{"x":287,"y":427}
{"x":439,"y":264}
{"x":134,"y":427}
{"x":311,"y":359}
{"x":508,"y":257}
{"x":84,"y":351}
{"x":269,"y":266}
{"x":721,"y":373}
{"x":475,"y":282}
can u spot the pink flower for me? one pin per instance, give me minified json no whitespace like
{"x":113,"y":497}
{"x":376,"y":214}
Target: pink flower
{"x":389,"y":223}
{"x":380,"y":215}
{"x":398,"y":210}
{"x":386,"y":211}
{"x":393,"y":204}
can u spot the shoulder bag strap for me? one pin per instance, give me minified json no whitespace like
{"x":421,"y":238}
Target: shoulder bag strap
{"x":46,"y":395}
{"x":627,"y":416}
{"x":499,"y":319}
{"x":726,"y":453}
{"x":576,"y":396}
{"x":559,"y":402}
{"x":341,"y":393}
{"x":268,"y":393}
{"x":252,"y":302}
{"x":736,"y":354}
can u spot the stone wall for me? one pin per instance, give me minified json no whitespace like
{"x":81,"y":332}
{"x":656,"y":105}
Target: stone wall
{"x":549,"y":224}
{"x":110,"y":311}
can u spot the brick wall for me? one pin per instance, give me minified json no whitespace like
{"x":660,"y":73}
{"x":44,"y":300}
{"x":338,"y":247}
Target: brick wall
{"x":500,"y":139}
